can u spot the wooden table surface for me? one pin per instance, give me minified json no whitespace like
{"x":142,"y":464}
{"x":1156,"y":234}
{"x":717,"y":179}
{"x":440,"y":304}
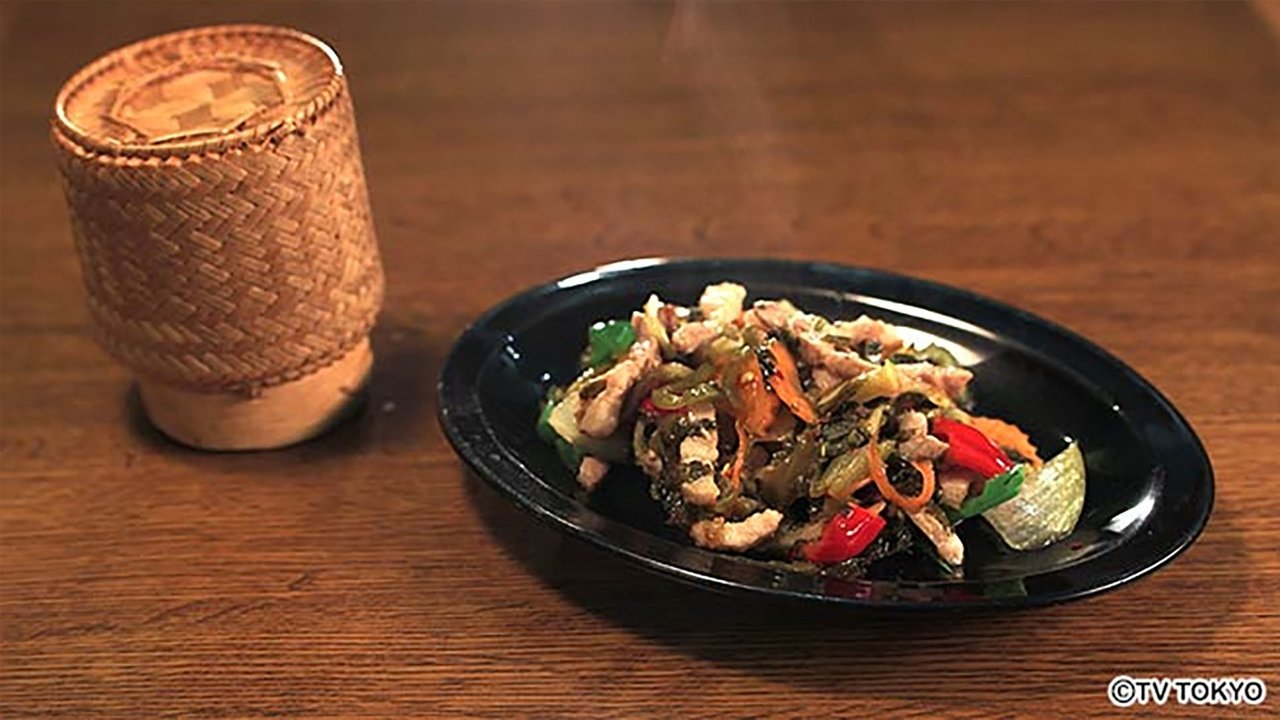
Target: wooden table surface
{"x":1113,"y":167}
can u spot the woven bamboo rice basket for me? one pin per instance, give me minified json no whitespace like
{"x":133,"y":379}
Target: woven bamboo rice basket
{"x":219,"y":208}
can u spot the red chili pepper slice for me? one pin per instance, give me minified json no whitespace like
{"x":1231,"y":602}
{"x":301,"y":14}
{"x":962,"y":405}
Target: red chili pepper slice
{"x":844,"y":536}
{"x":648,"y":408}
{"x":968,"y":448}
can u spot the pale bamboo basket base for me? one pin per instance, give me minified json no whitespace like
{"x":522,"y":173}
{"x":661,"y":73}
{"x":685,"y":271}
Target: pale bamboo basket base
{"x":281,"y":415}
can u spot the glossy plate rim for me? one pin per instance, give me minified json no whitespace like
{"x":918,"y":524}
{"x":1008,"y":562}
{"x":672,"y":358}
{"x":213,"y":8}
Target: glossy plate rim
{"x":461,"y":416}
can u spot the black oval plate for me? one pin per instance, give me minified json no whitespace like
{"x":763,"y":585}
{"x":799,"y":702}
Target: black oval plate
{"x":1150,"y":487}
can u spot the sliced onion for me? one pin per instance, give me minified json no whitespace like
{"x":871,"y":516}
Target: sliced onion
{"x":563,"y":419}
{"x":1048,"y":506}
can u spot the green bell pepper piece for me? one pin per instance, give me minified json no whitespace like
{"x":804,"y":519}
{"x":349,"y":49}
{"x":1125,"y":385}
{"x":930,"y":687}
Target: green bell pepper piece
{"x":569,"y":454}
{"x":609,"y":340}
{"x":998,"y":489}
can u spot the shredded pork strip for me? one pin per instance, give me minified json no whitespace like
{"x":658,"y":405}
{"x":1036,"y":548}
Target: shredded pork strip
{"x":721,"y":306}
{"x":943,"y":538}
{"x":914,"y":440}
{"x":699,"y":451}
{"x":720,"y":534}
{"x":591,"y":472}
{"x":950,"y":380}
{"x":600,"y":413}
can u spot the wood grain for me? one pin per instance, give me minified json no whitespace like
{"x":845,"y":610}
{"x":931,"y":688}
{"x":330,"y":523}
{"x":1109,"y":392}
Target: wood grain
{"x":1114,"y":167}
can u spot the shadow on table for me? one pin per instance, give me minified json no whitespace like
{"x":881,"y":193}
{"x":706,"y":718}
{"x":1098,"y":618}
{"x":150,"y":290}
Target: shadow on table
{"x":910,"y":655}
{"x":396,"y":410}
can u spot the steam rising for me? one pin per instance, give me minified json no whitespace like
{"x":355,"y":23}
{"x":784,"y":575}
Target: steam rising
{"x":700,"y":48}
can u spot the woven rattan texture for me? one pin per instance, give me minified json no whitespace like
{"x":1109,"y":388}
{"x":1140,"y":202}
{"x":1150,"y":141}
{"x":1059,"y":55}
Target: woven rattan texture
{"x":313,"y":72}
{"x":231,"y":270}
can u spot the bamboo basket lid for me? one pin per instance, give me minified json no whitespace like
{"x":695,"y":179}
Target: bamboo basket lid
{"x":199,"y":91}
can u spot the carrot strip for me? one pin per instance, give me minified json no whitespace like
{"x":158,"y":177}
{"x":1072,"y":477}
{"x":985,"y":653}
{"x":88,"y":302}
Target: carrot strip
{"x":1007,"y":436}
{"x":925,"y":468}
{"x":785,"y":382}
{"x":759,"y":407}
{"x":858,"y":485}
{"x":890,"y":493}
{"x":739,"y":457}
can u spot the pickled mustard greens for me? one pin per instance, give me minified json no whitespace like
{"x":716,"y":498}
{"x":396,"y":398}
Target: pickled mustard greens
{"x":830,"y":444}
